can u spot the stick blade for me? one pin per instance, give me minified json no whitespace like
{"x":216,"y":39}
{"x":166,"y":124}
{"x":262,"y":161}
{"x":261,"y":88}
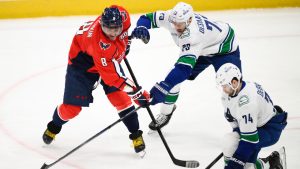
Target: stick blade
{"x":45,"y":166}
{"x":187,"y":164}
{"x":192,"y":164}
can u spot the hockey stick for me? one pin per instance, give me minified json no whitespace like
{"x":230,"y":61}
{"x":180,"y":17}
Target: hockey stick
{"x":182,"y":163}
{"x":45,"y":166}
{"x":215,"y":161}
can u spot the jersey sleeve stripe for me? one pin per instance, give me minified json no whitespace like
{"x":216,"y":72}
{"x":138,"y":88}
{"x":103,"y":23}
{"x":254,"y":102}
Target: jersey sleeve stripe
{"x":189,"y":60}
{"x":152,"y":17}
{"x":251,"y":137}
{"x":118,"y":69}
{"x":171,"y":98}
{"x":154,"y":21}
{"x":226,"y":45}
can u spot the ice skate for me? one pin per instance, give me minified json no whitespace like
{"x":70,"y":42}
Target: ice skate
{"x":50,"y":133}
{"x":48,"y":137}
{"x":138,"y":143}
{"x":161,"y":121}
{"x":277,"y":159}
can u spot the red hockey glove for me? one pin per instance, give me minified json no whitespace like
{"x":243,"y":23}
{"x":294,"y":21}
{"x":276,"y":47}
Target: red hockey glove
{"x":140,"y":96}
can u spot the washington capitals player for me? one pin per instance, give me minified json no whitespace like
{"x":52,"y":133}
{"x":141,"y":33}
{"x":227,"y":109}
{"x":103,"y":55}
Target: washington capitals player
{"x":256,"y":122}
{"x":96,"y":51}
{"x":202,"y":43}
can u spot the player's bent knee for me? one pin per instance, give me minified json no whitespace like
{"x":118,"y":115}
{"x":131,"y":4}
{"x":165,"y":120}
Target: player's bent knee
{"x":67,"y":111}
{"x":230,"y":143}
{"x":120,"y":100}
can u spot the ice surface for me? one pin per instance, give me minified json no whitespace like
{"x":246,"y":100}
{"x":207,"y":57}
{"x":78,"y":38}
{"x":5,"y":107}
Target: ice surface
{"x":32,"y":68}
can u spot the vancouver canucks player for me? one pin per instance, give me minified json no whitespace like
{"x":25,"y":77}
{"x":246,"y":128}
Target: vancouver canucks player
{"x":256,"y":122}
{"x":202,"y":42}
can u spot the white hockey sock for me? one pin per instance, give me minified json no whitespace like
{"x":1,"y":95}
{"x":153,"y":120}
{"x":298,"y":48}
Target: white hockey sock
{"x":166,"y":109}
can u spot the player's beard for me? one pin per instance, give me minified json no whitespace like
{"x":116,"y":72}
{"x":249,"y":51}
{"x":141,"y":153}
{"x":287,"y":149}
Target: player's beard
{"x":180,"y":31}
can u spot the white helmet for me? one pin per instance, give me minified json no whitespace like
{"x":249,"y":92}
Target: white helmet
{"x":226,"y":73}
{"x":182,"y":12}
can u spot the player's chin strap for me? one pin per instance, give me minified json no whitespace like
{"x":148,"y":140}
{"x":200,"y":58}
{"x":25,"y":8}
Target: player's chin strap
{"x":235,"y":89}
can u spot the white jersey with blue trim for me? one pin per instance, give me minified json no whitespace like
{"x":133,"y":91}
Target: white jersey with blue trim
{"x":250,"y":109}
{"x":203,"y":37}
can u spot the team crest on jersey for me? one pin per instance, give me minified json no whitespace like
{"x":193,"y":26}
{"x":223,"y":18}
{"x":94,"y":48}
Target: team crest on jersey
{"x":243,"y":100}
{"x":104,"y":45}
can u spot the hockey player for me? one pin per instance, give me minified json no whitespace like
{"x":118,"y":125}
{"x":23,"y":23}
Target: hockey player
{"x":256,"y":122}
{"x":202,"y":43}
{"x":96,"y":52}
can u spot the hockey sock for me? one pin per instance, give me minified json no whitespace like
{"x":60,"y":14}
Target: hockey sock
{"x":53,"y":128}
{"x":57,"y":120}
{"x":166,"y":109}
{"x":131,"y":122}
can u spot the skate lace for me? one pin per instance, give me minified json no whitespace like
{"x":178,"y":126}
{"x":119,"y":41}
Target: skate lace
{"x":161,"y":118}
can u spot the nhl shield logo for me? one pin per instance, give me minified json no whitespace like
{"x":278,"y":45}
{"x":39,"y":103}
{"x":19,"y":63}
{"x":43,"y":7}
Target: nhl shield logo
{"x":104,"y":45}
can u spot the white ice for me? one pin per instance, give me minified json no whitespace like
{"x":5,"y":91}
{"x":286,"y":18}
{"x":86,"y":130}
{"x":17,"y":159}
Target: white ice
{"x":34,"y":55}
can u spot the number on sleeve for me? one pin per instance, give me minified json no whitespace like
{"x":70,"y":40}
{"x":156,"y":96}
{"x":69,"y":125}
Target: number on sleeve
{"x":268,"y":98}
{"x":210,"y":25}
{"x":84,"y":28}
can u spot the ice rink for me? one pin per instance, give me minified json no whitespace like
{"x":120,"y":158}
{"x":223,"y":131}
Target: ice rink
{"x":34,"y":55}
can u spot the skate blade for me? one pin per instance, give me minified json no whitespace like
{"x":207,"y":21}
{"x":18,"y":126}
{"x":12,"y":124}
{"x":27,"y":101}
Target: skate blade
{"x":282,"y":157}
{"x":142,"y":154}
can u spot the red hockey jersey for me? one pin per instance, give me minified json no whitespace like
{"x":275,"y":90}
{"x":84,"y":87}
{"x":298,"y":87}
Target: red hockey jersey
{"x":91,"y":47}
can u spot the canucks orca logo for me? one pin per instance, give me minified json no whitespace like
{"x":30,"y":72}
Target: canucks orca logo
{"x":104,"y":45}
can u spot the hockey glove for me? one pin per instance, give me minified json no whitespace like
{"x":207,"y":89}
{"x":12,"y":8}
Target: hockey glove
{"x":159,"y":92}
{"x":141,"y":32}
{"x":139,"y":96}
{"x":235,"y":163}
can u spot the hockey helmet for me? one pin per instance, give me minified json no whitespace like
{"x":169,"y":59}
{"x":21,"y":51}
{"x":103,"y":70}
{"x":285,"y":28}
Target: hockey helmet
{"x":111,"y":18}
{"x":111,"y":22}
{"x":182,"y":12}
{"x":226,"y":73}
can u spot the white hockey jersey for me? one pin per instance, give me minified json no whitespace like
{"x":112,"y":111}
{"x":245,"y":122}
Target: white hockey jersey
{"x":250,"y":109}
{"x":203,"y":37}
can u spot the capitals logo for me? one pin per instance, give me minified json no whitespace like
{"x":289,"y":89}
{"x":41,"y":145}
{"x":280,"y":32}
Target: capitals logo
{"x":104,"y":45}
